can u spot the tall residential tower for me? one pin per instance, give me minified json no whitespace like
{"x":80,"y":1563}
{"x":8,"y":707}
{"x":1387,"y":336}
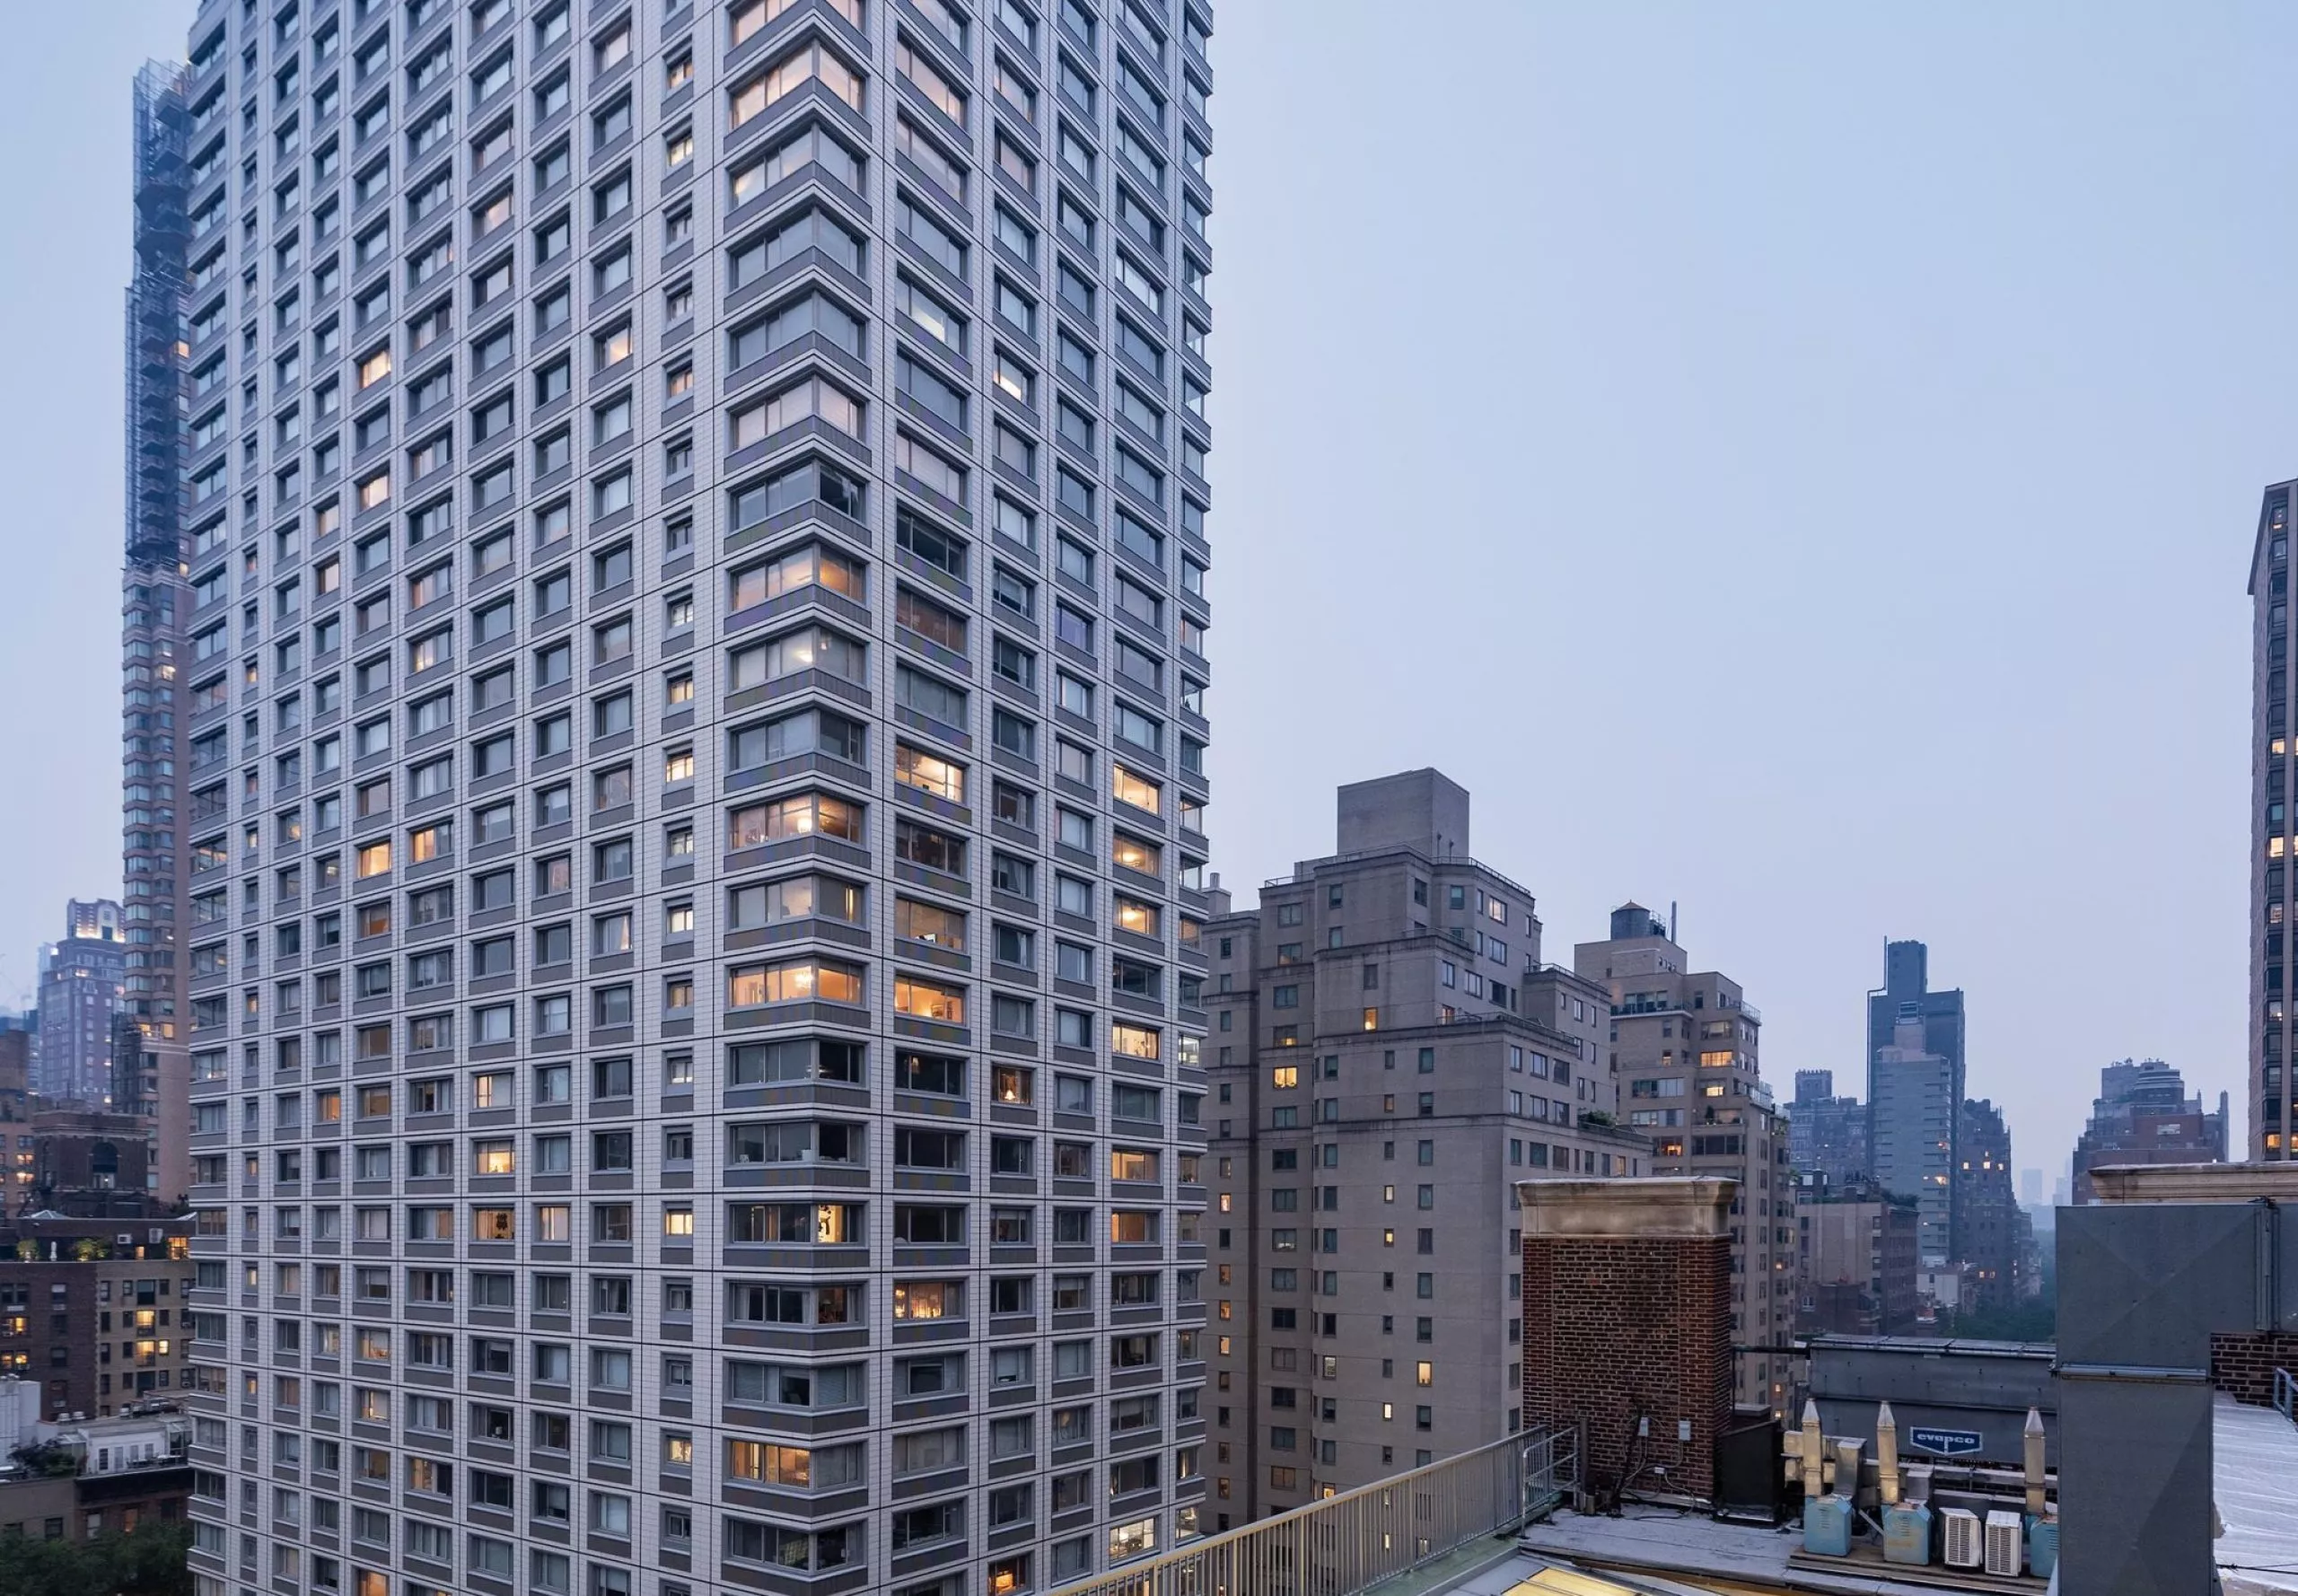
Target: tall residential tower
{"x":2272,"y":833}
{"x":695,"y":530}
{"x":149,"y":1056}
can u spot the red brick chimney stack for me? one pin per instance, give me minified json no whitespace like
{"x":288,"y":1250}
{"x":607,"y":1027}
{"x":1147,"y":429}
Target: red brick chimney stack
{"x":1627,"y":1326}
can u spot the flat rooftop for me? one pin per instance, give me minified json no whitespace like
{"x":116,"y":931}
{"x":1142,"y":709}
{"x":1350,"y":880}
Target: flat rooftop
{"x":1657,"y":1551}
{"x":2254,"y":1460}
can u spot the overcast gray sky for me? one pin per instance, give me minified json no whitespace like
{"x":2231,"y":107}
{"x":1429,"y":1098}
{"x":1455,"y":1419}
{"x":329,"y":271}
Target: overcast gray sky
{"x":1797,"y":460}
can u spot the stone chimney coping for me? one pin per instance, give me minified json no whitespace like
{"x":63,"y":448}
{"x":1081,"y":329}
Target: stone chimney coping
{"x":1652,"y":1208}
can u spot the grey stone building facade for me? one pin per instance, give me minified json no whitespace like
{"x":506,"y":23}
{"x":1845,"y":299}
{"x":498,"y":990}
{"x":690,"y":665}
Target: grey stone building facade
{"x":1389,"y":1057}
{"x":695,"y":530}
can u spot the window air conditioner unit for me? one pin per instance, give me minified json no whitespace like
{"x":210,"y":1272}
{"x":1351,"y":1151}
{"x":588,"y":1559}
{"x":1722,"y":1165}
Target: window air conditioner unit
{"x":2005,"y":1547}
{"x":1958,"y":1529}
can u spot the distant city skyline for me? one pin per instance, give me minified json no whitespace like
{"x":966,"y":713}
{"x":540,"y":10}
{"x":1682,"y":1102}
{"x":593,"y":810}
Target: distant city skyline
{"x":1772,"y":259}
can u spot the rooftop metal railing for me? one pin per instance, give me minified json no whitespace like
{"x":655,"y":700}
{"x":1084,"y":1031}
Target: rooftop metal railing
{"x":1356,"y":1539}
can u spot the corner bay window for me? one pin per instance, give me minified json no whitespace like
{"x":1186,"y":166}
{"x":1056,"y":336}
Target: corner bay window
{"x":800,"y":897}
{"x":804,"y":1224}
{"x":809,"y":482}
{"x":794,"y":1468}
{"x":813,"y":648}
{"x":745,"y":1540}
{"x":812,"y":398}
{"x":812,"y":146}
{"x":812,"y":730}
{"x":775,"y":1385}
{"x":804,"y":1058}
{"x":797,"y":981}
{"x":815,"y":566}
{"x":813,"y":314}
{"x":757,"y":1302}
{"x":809,"y":62}
{"x":806,"y":814}
{"x":795,"y":1141}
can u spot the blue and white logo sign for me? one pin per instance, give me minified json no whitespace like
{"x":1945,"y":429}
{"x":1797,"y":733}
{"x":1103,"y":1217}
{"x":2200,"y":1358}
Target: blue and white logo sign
{"x":1947,"y":1444}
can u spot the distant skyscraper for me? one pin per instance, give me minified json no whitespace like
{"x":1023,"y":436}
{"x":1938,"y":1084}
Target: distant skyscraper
{"x":2143,"y":1115}
{"x":1912,"y":1113}
{"x":2273,"y":835}
{"x":1913,"y":1107}
{"x":79,"y":992}
{"x":1991,"y":1226}
{"x":1827,"y":1133}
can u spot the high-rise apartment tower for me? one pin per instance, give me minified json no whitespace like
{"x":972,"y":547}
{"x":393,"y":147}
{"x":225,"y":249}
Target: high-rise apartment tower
{"x":149,"y":1056}
{"x":2273,"y":837}
{"x":694,"y":528}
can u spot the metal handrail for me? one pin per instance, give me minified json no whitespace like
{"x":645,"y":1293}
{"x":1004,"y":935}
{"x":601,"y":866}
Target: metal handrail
{"x":1552,"y":1468}
{"x":1350,"y":1541}
{"x":2285,"y":1395}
